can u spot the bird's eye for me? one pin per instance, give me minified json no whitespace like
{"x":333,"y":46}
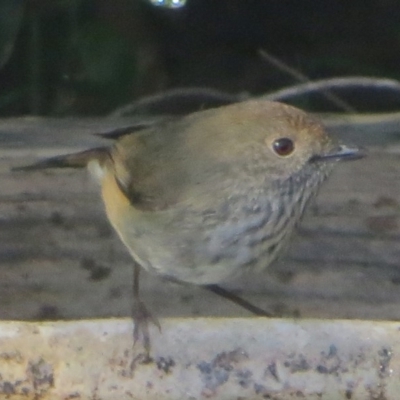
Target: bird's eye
{"x":283,"y":146}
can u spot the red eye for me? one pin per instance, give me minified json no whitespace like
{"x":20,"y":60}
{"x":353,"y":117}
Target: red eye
{"x":283,"y":146}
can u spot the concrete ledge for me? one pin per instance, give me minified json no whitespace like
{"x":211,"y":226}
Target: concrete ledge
{"x":201,"y":358}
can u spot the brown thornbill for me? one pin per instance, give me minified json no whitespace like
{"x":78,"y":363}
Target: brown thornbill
{"x":201,"y":198}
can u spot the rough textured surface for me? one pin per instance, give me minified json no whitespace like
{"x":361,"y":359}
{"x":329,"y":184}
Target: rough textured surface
{"x":223,"y":359}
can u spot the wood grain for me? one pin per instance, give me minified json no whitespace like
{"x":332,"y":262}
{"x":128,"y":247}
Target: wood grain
{"x":60,"y":259}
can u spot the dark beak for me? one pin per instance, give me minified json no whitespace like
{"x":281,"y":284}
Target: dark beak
{"x":341,"y":153}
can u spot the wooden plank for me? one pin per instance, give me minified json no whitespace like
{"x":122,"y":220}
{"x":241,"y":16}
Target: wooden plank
{"x":60,"y":259}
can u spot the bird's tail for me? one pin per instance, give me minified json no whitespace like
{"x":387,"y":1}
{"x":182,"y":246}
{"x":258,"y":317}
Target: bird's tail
{"x":73,"y":160}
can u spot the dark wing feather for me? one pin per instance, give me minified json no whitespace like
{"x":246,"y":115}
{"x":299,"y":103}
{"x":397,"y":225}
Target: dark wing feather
{"x":73,"y":160}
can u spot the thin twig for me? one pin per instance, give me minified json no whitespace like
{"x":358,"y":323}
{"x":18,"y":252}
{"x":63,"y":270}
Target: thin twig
{"x":353,"y":82}
{"x":178,"y":101}
{"x":303,"y":78}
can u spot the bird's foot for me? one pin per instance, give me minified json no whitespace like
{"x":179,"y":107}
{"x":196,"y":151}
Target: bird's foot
{"x":141,"y":320}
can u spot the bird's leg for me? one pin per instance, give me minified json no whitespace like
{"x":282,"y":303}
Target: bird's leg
{"x":141,"y":315}
{"x":226,"y":294}
{"x":237,"y":300}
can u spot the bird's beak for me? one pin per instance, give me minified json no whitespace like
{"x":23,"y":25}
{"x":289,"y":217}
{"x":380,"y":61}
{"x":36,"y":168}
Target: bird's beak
{"x":340,"y":153}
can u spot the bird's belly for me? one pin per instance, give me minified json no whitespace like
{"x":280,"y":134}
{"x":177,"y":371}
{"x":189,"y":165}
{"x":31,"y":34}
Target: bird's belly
{"x":176,"y":245}
{"x":199,"y":255}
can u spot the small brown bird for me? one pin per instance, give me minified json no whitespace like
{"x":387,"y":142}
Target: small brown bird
{"x":201,"y":198}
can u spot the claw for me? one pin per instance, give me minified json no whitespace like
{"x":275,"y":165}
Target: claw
{"x":141,"y":317}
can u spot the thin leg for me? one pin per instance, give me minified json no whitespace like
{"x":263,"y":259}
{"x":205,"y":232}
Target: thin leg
{"x":237,"y":300}
{"x":141,"y":315}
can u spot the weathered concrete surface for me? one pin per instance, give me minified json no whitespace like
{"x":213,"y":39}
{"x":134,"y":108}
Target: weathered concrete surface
{"x":202,"y":359}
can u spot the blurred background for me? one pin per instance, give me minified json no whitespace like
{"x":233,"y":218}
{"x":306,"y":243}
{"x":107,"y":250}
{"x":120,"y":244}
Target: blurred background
{"x":88,"y":57}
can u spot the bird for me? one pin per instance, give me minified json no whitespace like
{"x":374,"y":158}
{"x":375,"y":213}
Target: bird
{"x":205,"y":197}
